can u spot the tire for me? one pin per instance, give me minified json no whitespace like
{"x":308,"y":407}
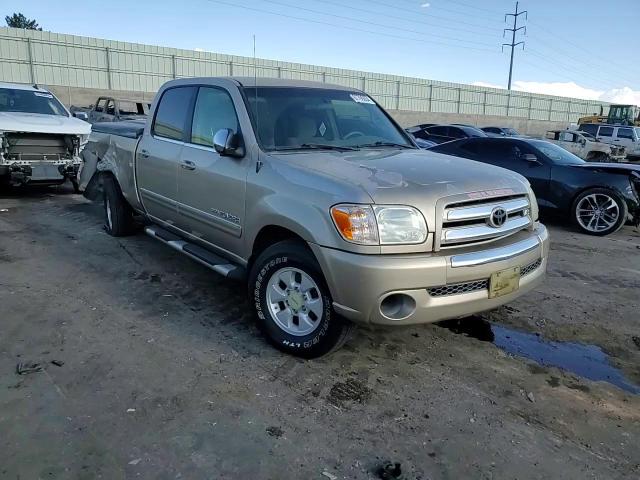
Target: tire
{"x":611,"y":207}
{"x":293,"y":262}
{"x":118,"y":214}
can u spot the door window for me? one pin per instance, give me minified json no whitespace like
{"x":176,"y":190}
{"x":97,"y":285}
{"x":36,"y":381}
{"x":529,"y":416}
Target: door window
{"x":606,"y":131}
{"x":625,"y":133}
{"x":111,"y":108}
{"x":100,"y":105}
{"x":567,"y":137}
{"x":171,"y":116}
{"x":440,"y":131}
{"x":214,"y":111}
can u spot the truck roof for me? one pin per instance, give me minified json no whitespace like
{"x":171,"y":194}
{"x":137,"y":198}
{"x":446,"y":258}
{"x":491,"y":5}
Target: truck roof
{"x":282,"y":82}
{"x":23,"y":86}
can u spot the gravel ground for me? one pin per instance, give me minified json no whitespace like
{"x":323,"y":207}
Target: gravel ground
{"x":161,"y":373}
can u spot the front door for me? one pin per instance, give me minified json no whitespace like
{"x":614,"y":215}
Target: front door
{"x":158,"y":155}
{"x":211,"y":187}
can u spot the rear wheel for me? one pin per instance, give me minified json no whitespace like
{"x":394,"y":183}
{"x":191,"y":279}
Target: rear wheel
{"x":292,"y":302}
{"x":599,"y":211}
{"x":117,"y":212}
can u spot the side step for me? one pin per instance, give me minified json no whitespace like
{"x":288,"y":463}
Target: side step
{"x":197,"y":253}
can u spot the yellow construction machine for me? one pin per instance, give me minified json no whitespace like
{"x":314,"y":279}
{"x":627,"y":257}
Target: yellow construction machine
{"x":618,"y":115}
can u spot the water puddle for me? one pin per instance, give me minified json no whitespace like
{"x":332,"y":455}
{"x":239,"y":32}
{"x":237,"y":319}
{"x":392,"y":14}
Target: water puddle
{"x":587,"y":361}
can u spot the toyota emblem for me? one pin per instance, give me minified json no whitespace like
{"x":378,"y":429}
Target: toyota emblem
{"x":498,"y":217}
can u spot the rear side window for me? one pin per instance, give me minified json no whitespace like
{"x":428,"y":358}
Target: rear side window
{"x":438,"y":131}
{"x":100,"y":105}
{"x":591,"y":128}
{"x":456,"y":133}
{"x":173,"y":109}
{"x":606,"y":131}
{"x":625,"y":133}
{"x":214,"y":111}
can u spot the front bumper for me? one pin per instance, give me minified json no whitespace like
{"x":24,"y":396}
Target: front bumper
{"x":360,"y":283}
{"x":40,"y":172}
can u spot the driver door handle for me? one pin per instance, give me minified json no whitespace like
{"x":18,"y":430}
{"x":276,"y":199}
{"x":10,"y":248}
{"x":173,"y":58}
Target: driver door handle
{"x":188,"y":165}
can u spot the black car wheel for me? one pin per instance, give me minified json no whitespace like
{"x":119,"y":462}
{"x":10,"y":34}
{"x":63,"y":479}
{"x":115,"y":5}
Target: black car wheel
{"x":599,"y":211}
{"x":118,"y":214}
{"x":292,"y":302}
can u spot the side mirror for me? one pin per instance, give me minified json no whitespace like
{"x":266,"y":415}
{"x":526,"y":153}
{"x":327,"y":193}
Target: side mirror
{"x":227,"y":143}
{"x":530,"y":157}
{"x":81,"y":115}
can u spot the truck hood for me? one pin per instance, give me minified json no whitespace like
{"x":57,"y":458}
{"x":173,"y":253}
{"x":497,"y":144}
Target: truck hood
{"x":409,"y":177}
{"x":39,"y":123}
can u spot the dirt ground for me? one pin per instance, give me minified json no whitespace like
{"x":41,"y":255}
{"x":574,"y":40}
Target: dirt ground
{"x":166,"y":377}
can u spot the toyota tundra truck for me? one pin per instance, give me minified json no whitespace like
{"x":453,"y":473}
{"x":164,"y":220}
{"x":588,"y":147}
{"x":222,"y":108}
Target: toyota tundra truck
{"x":317,"y":199}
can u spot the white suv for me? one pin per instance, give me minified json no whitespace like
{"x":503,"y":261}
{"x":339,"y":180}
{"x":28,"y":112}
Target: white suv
{"x":624,"y":136}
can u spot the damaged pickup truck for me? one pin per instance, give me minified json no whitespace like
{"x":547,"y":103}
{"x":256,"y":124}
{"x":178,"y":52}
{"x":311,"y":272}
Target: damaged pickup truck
{"x":317,"y":199}
{"x":40,"y":141}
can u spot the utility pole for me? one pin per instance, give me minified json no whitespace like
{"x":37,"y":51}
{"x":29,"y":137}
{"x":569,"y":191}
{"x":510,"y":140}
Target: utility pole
{"x":513,"y":31}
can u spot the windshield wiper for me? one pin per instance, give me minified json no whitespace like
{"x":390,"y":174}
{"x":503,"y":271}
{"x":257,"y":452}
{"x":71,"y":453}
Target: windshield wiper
{"x":317,"y":146}
{"x":385,"y":144}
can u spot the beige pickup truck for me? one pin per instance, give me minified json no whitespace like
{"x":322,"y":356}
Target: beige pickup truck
{"x":315,"y":198}
{"x":586,"y":146}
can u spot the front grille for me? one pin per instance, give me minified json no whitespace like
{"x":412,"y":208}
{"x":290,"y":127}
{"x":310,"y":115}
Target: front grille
{"x":475,"y":285}
{"x":469,"y":222}
{"x":458,"y":288}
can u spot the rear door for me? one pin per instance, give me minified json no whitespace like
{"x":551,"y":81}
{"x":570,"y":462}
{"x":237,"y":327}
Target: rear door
{"x":158,"y":154}
{"x":624,"y":137}
{"x":211,"y":187}
{"x":605,"y":134}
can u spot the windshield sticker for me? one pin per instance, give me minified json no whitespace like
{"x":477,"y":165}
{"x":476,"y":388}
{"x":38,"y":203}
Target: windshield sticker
{"x":322,"y":129}
{"x":45,"y":95}
{"x":362,"y":99}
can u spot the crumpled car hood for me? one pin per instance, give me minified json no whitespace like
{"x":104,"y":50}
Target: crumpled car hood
{"x":39,"y":123}
{"x":409,"y":176}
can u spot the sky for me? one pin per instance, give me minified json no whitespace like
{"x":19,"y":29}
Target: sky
{"x":579,"y":48}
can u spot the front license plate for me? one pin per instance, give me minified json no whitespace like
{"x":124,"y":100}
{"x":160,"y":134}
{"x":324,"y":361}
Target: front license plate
{"x":504,"y":282}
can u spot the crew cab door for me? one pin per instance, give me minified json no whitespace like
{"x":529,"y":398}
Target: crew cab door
{"x":158,"y":154}
{"x":624,"y":137}
{"x":211,"y":187}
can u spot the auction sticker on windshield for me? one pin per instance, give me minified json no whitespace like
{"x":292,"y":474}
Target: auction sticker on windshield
{"x":362,"y":99}
{"x":504,"y":282}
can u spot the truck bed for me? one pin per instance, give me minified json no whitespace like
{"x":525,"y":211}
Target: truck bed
{"x":128,"y":128}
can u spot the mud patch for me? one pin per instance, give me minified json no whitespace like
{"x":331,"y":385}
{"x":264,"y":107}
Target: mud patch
{"x":350,"y":391}
{"x":587,"y":361}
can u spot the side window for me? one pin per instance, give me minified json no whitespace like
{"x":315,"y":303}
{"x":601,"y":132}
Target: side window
{"x":567,"y":137}
{"x":606,"y":131}
{"x":442,"y":131}
{"x":100,"y":105}
{"x":214,"y":111}
{"x":171,"y":117}
{"x":591,"y":128}
{"x":111,"y":108}
{"x":456,"y":133}
{"x":625,"y":133}
{"x":492,"y":130}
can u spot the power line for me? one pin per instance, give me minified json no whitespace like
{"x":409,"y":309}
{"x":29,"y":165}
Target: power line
{"x":404,"y":19}
{"x":443,"y":19}
{"x":513,"y":31}
{"x":375,"y":24}
{"x":468,"y":5}
{"x":457,"y":12}
{"x":356,"y":29}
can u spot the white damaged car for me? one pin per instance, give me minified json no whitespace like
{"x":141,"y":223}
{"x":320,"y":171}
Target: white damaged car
{"x":40,"y":141}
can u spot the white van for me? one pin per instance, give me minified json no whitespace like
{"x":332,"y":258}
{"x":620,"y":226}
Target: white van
{"x":624,"y":136}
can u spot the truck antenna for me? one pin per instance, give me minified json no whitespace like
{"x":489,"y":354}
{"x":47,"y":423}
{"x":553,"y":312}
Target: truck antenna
{"x":255,"y":85}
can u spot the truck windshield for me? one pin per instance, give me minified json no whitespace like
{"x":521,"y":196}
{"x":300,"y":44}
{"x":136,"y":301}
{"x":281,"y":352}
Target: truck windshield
{"x":30,"y":101}
{"x":299,"y":118}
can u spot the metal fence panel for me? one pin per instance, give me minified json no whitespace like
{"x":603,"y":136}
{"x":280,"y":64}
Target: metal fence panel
{"x":59,"y":59}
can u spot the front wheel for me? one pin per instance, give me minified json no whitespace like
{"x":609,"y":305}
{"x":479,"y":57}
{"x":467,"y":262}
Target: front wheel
{"x":118,"y":214}
{"x":599,"y":211}
{"x":292,"y":302}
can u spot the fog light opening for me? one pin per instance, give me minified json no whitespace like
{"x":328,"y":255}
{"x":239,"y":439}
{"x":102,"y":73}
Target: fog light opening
{"x":397,"y":306}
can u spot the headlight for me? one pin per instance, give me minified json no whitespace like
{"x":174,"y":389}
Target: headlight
{"x":380,"y":225}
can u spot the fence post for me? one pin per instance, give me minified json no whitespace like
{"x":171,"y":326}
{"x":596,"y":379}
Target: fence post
{"x":174,"y":67}
{"x":484,"y":103}
{"x":459,"y":99}
{"x":508,"y":103}
{"x":108,"y":57}
{"x":430,"y":96}
{"x":529,"y":110}
{"x":364,"y":83}
{"x":231,"y":68}
{"x":32,"y":72}
{"x":569,"y":112}
{"x":550,"y":107}
{"x":279,"y":72}
{"x":324,"y":77}
{"x":397,"y":94}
